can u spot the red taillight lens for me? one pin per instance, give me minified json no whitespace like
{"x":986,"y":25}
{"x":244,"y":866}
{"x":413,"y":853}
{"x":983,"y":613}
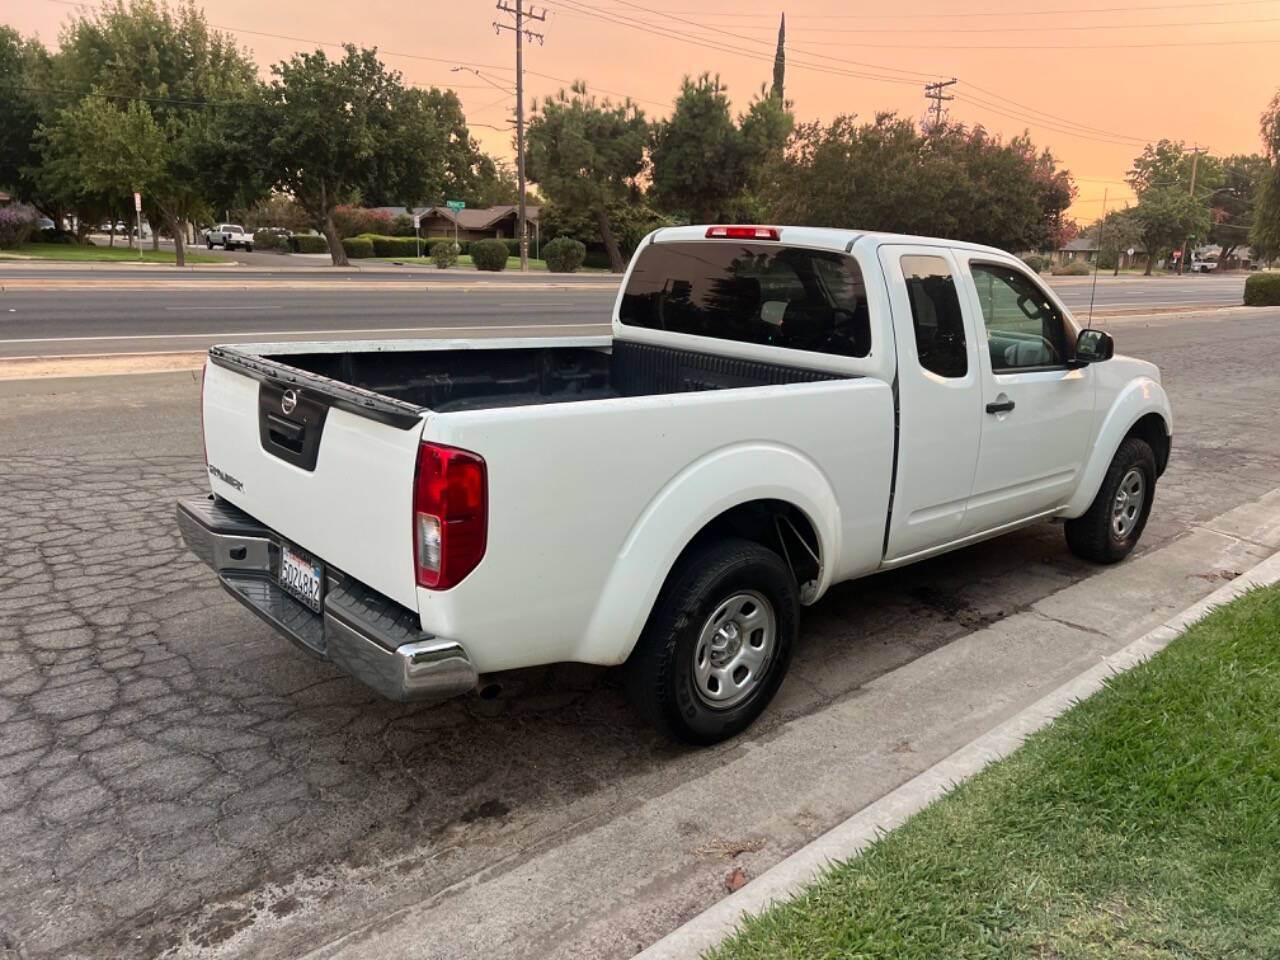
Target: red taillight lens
{"x":450,"y":515}
{"x":743,"y":233}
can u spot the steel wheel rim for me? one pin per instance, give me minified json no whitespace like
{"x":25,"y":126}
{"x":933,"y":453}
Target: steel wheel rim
{"x":734,"y":650}
{"x":1126,"y":508}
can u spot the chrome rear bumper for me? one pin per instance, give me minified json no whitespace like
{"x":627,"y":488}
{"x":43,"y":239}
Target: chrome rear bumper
{"x":372,"y":637}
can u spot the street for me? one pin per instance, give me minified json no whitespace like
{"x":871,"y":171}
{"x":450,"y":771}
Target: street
{"x":174,"y":776}
{"x":80,"y":311}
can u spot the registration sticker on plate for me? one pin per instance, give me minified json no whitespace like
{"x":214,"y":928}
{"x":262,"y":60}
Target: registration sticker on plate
{"x":301,"y":576}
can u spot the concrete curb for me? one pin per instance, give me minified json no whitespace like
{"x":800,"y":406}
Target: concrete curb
{"x":848,"y":839}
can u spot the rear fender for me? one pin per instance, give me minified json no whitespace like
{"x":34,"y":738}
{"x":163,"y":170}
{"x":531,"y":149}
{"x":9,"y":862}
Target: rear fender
{"x":709,"y":486}
{"x":1138,"y":398}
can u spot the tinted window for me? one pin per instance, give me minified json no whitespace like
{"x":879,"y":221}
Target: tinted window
{"x":1023,"y":328}
{"x":935,"y":314}
{"x":752,"y":293}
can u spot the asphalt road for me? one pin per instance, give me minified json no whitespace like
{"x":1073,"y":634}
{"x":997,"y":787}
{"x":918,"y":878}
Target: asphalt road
{"x":90,"y":312}
{"x":175,"y":776}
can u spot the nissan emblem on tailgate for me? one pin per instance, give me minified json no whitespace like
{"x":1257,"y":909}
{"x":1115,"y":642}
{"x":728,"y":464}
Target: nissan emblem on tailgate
{"x":288,"y":401}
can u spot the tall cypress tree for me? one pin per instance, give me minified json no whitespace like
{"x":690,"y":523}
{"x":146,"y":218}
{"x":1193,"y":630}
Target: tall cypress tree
{"x":780,"y":60}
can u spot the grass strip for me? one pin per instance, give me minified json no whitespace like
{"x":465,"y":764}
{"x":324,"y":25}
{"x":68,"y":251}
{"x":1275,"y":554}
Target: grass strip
{"x":1144,"y":822}
{"x":73,"y":253}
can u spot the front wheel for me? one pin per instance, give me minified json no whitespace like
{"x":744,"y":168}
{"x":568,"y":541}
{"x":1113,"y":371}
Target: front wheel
{"x":717,"y":644}
{"x":1116,"y":518}
{"x":210,"y":243}
{"x":248,"y":248}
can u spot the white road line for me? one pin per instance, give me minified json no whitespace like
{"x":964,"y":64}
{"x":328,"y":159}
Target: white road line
{"x":204,"y":309}
{"x":279,"y":333}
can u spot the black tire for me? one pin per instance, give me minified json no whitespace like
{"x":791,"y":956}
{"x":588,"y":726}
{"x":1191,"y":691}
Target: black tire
{"x":660,"y":672}
{"x":1093,"y":536}
{"x":210,"y":243}
{"x":248,"y":248}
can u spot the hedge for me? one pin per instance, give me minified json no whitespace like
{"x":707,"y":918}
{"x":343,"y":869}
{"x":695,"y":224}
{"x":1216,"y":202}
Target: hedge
{"x":489,"y":254}
{"x":1036,"y":263}
{"x":1262,"y":290}
{"x":308,"y":243}
{"x":1073,"y":268}
{"x":358,"y":248}
{"x":564,"y":254}
{"x":270,"y":240}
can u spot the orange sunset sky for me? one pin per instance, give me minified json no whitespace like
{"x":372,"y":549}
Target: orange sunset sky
{"x":1091,"y":79}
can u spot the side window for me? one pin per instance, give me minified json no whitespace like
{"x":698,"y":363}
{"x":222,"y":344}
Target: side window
{"x":935,"y":314}
{"x":1024,"y":329}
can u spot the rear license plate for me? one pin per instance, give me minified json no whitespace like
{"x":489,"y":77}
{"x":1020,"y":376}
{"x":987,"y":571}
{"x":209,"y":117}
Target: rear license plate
{"x":301,"y":577}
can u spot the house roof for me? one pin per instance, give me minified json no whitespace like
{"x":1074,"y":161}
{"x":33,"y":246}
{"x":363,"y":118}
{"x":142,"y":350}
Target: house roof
{"x":1081,"y":245}
{"x":4,"y":197}
{"x":469,"y":218}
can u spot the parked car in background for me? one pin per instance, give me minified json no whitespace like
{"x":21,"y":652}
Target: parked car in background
{"x":229,"y":236}
{"x":1204,"y":266}
{"x":777,"y":410}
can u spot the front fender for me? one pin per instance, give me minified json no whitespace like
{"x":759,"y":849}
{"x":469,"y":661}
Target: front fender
{"x":1139,"y":397}
{"x":703,"y":490}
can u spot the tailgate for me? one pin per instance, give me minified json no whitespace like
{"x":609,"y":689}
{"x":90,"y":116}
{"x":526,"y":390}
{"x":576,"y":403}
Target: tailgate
{"x":324,"y":467}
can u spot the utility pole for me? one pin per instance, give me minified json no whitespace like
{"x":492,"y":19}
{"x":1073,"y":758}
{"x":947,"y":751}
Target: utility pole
{"x":933,"y":91}
{"x":1195,"y":158}
{"x":522,"y":33}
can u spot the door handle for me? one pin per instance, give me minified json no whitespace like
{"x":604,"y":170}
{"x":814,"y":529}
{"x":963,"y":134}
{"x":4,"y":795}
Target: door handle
{"x":1004,"y":406}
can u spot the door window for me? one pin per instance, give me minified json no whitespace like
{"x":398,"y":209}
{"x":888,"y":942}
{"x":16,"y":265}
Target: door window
{"x":1024,"y":329}
{"x":935,"y":315}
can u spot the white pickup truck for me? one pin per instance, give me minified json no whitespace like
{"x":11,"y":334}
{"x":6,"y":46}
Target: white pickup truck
{"x":776,"y":411}
{"x":229,"y":236}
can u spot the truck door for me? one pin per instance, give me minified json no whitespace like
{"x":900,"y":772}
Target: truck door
{"x":1036,"y":412}
{"x":939,"y":420}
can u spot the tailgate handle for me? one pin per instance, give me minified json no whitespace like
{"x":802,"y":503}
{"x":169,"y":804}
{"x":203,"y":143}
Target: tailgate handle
{"x":286,"y":433}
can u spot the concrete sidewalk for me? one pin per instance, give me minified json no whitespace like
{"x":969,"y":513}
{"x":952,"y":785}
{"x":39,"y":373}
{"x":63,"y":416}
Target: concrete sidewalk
{"x":610,"y":888}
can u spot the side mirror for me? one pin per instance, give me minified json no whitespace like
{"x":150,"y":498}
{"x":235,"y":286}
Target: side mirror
{"x":1094,"y":346}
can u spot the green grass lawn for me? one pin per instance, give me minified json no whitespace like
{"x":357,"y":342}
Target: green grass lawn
{"x":71,"y":252}
{"x":1145,"y":822}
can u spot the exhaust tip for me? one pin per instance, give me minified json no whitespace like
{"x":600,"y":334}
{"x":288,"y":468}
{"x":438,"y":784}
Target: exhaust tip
{"x":488,"y":690}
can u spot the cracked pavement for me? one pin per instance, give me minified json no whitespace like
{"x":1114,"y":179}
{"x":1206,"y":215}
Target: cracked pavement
{"x":177,"y":780}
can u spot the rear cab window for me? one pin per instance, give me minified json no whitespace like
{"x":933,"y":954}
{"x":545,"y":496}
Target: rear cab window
{"x":760,"y":293}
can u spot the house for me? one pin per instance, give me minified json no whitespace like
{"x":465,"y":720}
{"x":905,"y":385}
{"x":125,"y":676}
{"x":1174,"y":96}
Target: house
{"x":4,"y":197}
{"x":1081,"y":248}
{"x":472,"y":223}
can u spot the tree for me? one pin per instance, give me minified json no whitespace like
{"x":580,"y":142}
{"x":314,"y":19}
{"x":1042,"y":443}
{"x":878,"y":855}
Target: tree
{"x":780,"y":61}
{"x":585,"y":155}
{"x":339,"y":129}
{"x":1167,"y":216}
{"x":156,"y":73}
{"x":1232,"y":202}
{"x":1264,"y":236}
{"x":24,"y":66}
{"x":704,"y":163}
{"x":957,"y":183}
{"x":1115,"y":235}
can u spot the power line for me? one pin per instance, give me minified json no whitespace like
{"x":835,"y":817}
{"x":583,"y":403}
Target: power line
{"x":1005,"y":14}
{"x":1057,"y":28}
{"x":933,"y":91}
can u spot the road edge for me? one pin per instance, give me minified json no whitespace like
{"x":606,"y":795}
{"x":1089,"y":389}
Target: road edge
{"x":846,"y":840}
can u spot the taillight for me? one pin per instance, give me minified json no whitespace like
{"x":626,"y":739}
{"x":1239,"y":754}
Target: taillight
{"x":743,"y":233}
{"x":450,"y":515}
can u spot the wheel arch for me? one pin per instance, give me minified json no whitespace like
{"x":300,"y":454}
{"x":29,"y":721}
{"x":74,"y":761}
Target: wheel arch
{"x":788,"y":497}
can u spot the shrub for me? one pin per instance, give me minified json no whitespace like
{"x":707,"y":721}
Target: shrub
{"x":358,"y":248}
{"x":17,"y":221}
{"x":444,"y":254}
{"x":309,"y":243}
{"x":353,"y":221}
{"x":1262,"y":290}
{"x":1107,"y":259}
{"x":51,"y":235}
{"x":269,"y":240}
{"x":395,"y":246}
{"x":1036,"y":263}
{"x":564,"y":254}
{"x":513,"y":246}
{"x":1073,"y":268}
{"x":597,"y":258}
{"x":402,"y":226}
{"x":489,"y":254}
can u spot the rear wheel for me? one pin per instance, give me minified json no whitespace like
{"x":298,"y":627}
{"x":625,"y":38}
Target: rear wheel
{"x":717,"y":644}
{"x":248,"y":248}
{"x":1116,"y":518}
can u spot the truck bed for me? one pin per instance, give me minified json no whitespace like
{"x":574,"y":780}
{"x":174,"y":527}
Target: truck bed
{"x":441,"y":379}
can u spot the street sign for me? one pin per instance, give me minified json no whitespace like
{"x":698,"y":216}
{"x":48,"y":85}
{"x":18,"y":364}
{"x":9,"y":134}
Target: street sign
{"x":456,"y":205}
{"x":417,"y":220}
{"x":1131,"y":251}
{"x":137,"y":203}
